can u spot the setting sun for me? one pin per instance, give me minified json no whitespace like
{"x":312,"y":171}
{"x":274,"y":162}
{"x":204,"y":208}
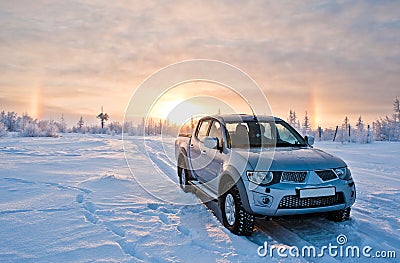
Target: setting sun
{"x":196,"y":99}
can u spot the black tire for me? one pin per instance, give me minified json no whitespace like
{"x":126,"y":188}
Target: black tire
{"x":339,"y":215}
{"x":243,"y":222}
{"x":184,"y":177}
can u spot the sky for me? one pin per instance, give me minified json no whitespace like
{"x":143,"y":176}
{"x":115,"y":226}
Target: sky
{"x":329,"y":58}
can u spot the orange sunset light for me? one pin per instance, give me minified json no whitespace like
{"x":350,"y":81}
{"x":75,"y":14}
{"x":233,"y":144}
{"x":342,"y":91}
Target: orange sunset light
{"x":331,"y":60}
{"x":35,"y":111}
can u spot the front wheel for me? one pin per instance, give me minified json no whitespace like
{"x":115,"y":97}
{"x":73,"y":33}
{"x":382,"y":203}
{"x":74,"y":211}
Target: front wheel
{"x":234,"y":217}
{"x":339,"y":215}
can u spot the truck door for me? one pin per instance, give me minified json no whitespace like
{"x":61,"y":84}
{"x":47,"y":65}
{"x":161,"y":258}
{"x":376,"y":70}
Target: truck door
{"x":198,"y":157}
{"x":214,"y":156}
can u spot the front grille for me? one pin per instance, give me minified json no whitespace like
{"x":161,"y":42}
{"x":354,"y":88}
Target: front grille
{"x":294,"y":201}
{"x":326,"y":175}
{"x":297,"y":177}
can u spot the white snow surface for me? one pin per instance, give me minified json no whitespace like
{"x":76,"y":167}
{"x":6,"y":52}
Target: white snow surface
{"x":73,"y":199}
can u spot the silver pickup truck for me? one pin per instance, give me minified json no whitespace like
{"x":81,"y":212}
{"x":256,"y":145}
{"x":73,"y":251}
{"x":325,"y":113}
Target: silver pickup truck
{"x":261,"y":166}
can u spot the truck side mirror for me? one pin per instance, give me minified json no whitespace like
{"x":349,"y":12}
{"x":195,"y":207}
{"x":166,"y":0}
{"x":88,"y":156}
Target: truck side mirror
{"x":210,"y":142}
{"x":310,"y":140}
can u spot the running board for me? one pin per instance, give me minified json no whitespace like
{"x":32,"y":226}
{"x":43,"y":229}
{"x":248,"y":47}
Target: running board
{"x":204,"y":189}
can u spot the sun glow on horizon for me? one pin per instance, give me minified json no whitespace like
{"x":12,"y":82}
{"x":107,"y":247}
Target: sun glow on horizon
{"x":315,"y":111}
{"x":196,"y":99}
{"x":35,"y":103}
{"x":177,"y":111}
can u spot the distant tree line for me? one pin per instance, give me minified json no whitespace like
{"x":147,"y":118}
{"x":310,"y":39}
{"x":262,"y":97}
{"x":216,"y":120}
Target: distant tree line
{"x":388,"y":128}
{"x":26,"y":126}
{"x":383,"y":129}
{"x":152,"y":126}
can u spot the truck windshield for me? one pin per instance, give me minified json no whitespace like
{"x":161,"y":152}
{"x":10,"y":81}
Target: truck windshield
{"x":258,"y":134}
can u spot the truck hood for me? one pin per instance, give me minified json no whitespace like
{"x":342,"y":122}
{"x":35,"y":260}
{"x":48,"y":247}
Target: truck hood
{"x":289,"y":159}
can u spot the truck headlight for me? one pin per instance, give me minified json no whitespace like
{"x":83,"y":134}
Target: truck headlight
{"x":259,"y":177}
{"x":343,"y":173}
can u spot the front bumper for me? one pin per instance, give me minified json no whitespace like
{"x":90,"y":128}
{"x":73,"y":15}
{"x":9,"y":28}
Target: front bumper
{"x":283,"y":198}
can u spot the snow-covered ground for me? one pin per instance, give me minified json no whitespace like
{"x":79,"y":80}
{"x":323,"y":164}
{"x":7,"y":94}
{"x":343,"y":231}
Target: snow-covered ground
{"x":73,"y":199}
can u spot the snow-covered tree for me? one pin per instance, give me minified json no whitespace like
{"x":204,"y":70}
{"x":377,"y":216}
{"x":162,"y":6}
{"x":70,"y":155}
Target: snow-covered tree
{"x":62,"y":126}
{"x":388,"y":129}
{"x":396,"y":119}
{"x":298,"y":125}
{"x":370,"y":134}
{"x":383,"y":129}
{"x":292,"y":120}
{"x":306,"y":125}
{"x":115,"y":128}
{"x":80,"y":123}
{"x":396,"y":109}
{"x":360,"y":124}
{"x":328,"y":134}
{"x":24,"y":120}
{"x":345,"y":132}
{"x":31,"y":130}
{"x":48,"y":128}
{"x":3,"y":118}
{"x":43,"y":128}
{"x":360,"y":133}
{"x":2,"y":130}
{"x":10,"y":121}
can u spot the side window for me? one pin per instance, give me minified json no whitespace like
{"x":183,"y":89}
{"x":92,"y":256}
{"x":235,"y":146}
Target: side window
{"x":202,"y":130}
{"x":267,"y":130}
{"x":216,"y":131}
{"x":286,"y":135}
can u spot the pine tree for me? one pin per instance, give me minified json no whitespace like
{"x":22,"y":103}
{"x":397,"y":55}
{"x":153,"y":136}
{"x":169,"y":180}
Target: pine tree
{"x":360,"y":124}
{"x":396,"y":109}
{"x":63,"y":125}
{"x":24,"y":121}
{"x":103,"y":117}
{"x":306,"y":125}
{"x":360,"y":134}
{"x":346,"y":130}
{"x":293,"y":121}
{"x":290,"y":119}
{"x":11,"y":121}
{"x":80,"y":123}
{"x":396,"y":119}
{"x":298,"y":125}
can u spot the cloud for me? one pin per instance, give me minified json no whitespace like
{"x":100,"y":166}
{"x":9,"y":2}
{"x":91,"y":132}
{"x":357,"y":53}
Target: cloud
{"x":97,"y":52}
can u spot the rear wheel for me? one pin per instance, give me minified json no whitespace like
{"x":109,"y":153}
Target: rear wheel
{"x":339,"y":215}
{"x":234,"y":217}
{"x":184,"y":177}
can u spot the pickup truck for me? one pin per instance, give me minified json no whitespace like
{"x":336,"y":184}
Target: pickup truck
{"x":261,"y":166}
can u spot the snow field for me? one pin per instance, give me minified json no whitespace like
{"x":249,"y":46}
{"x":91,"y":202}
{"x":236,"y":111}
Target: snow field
{"x":73,"y":199}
